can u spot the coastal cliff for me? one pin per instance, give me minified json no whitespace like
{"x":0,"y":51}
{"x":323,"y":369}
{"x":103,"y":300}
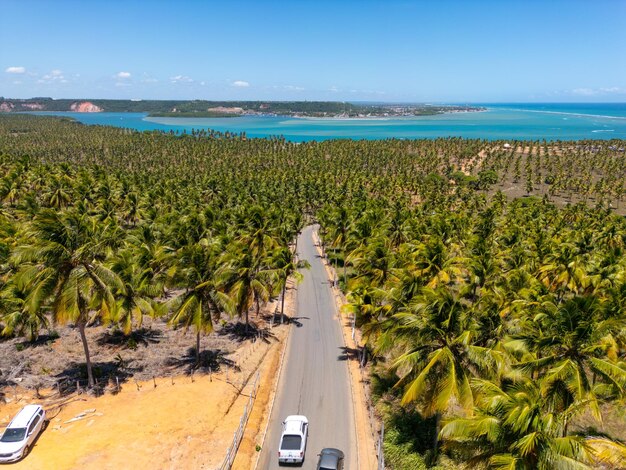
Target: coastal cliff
{"x":85,"y":107}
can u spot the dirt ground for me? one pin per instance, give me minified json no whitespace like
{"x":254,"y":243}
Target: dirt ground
{"x":185,"y":421}
{"x":152,"y":351}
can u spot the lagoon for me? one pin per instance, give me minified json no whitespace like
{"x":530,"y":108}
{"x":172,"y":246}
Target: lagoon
{"x":509,"y":121}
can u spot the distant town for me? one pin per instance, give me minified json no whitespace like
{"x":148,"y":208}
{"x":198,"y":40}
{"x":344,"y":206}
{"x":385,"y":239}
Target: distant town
{"x":202,"y":108}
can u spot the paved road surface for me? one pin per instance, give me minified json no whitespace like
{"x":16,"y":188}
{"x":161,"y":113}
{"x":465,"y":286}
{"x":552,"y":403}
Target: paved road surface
{"x":314,"y":380}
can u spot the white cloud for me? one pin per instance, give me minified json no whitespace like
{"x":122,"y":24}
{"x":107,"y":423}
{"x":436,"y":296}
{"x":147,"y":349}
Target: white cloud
{"x":54,"y":76}
{"x":293,"y":88}
{"x":181,"y":79}
{"x":149,"y":80}
{"x":240,"y":84}
{"x":596,"y":91}
{"x":334,"y":89}
{"x":123,"y":75}
{"x":15,"y":70}
{"x":584,"y":91}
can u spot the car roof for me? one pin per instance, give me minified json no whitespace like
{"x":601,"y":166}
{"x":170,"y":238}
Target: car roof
{"x":329,"y":457}
{"x":298,"y":418}
{"x":24,"y":416}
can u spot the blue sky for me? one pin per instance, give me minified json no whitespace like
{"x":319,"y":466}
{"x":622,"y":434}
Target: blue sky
{"x":418,"y":51}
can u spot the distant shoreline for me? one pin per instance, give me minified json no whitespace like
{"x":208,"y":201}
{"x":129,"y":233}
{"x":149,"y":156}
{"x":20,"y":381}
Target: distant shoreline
{"x":229,"y":109}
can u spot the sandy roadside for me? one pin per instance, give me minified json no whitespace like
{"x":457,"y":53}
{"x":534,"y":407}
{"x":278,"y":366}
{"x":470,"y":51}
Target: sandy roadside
{"x":247,"y":456}
{"x":364,"y":426}
{"x":183,"y":422}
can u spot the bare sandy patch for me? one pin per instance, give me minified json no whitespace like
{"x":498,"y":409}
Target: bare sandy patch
{"x":184,"y":422}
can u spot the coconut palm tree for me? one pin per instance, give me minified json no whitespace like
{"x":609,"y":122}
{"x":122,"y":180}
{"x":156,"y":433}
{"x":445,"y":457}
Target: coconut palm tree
{"x":434,"y":352}
{"x":68,"y":251}
{"x":15,"y":309}
{"x":515,"y":427}
{"x":570,"y":342}
{"x":201,"y":304}
{"x":245,"y":279}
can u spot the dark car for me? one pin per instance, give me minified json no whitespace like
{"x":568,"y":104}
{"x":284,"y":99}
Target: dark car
{"x":330,"y":459}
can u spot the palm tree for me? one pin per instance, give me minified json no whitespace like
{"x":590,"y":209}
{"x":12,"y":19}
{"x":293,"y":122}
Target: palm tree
{"x":140,"y":288}
{"x":15,"y":309}
{"x":201,"y":303}
{"x":68,"y":251}
{"x":285,"y":266}
{"x":571,"y":341}
{"x":515,"y":427}
{"x":245,"y":279}
{"x":432,"y":344}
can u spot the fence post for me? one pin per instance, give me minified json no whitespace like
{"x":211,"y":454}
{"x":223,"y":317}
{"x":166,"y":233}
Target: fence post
{"x":381,"y":452}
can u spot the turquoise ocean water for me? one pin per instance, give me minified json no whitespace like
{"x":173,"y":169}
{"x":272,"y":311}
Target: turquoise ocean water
{"x":509,"y":121}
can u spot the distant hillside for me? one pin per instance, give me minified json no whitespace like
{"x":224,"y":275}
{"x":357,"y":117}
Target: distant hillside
{"x":202,"y":108}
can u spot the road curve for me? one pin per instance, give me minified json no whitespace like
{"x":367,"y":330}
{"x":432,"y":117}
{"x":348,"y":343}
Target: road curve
{"x":314,"y":380}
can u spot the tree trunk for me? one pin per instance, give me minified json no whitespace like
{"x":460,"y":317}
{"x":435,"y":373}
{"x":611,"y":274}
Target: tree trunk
{"x":197,"y":348}
{"x":282,"y":303}
{"x":436,"y":438}
{"x":81,"y":330}
{"x":345,"y":281}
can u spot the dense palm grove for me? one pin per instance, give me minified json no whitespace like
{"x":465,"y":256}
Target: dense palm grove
{"x":498,"y":321}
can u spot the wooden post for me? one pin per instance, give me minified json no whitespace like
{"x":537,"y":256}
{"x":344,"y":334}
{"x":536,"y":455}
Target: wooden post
{"x":154,"y":381}
{"x":117,"y":383}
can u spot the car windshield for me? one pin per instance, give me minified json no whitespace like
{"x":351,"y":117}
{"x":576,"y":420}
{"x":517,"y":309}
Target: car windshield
{"x":291,"y":442}
{"x":13,"y":435}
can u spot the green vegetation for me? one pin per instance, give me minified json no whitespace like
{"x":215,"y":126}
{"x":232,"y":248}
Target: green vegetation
{"x":202,"y":108}
{"x":489,"y":282}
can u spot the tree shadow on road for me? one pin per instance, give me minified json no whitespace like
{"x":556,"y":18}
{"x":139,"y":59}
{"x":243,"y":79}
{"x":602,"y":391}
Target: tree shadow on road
{"x":348,"y":354}
{"x":296,"y":320}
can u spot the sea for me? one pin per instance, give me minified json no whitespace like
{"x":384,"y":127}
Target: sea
{"x":501,"y":121}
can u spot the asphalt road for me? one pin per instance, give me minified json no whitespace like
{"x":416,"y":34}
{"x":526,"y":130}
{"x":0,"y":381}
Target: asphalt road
{"x":314,"y":380}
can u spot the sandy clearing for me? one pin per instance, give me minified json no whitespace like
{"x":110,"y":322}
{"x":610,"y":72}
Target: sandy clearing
{"x":187,"y":424}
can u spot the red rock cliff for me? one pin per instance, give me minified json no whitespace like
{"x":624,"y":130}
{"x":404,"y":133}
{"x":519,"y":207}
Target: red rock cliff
{"x":85,"y":107}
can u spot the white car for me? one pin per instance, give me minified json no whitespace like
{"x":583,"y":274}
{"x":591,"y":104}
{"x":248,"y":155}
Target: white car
{"x":21,"y":433}
{"x":293,"y":439}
